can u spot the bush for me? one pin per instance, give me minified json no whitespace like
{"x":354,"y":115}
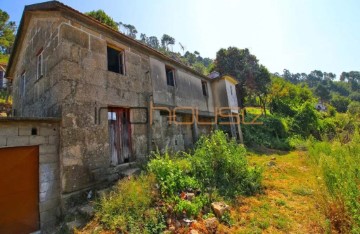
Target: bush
{"x":172,"y":174}
{"x":354,"y":109}
{"x":305,"y":121}
{"x":221,"y":164}
{"x":339,"y":165}
{"x":272,"y":133}
{"x":340,"y":103}
{"x":128,"y":207}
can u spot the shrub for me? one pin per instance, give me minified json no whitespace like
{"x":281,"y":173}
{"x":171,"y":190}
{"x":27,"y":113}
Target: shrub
{"x":305,"y":121}
{"x":221,"y":164}
{"x":128,"y":207}
{"x":272,"y":133}
{"x":172,"y":174}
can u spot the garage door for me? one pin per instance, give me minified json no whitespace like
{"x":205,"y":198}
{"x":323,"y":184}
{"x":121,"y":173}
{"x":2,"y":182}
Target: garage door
{"x":19,"y":189}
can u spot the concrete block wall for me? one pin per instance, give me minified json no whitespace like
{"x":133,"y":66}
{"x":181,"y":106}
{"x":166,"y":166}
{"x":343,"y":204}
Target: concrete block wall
{"x":21,"y":132}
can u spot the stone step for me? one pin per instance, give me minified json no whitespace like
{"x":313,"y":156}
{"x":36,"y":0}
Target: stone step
{"x":130,"y":172}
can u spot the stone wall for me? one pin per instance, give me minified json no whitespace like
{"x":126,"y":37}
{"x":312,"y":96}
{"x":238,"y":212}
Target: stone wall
{"x":40,"y":98}
{"x":20,"y":132}
{"x":87,"y":87}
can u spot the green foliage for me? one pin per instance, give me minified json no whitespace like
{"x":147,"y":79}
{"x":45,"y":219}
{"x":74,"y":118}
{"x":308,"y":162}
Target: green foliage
{"x":172,"y":174}
{"x":339,"y":165}
{"x":167,"y":40}
{"x":101,"y":16}
{"x":221,"y":164}
{"x":273,"y":133}
{"x":340,"y":103}
{"x":191,"y":208}
{"x":305,"y":121}
{"x":227,"y":219}
{"x":7,"y":33}
{"x":354,"y":108}
{"x":243,"y":66}
{"x":128,"y":207}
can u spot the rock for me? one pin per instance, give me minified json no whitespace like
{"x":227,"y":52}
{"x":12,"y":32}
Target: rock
{"x":272,"y":164}
{"x":103,"y":193}
{"x":219,"y":208}
{"x":190,"y":196}
{"x":187,"y":222}
{"x":87,"y":210}
{"x":194,"y":232}
{"x":74,"y":224}
{"x":130,"y":172}
{"x":211,"y":224}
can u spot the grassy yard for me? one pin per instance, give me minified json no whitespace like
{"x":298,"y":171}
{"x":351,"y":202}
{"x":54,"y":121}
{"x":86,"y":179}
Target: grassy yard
{"x":289,"y":202}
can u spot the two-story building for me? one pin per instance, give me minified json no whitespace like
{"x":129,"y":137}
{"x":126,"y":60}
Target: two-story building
{"x":116,"y":100}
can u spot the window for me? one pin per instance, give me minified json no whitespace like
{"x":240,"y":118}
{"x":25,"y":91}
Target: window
{"x":22,"y":85}
{"x":116,"y":62}
{"x":204,"y":87}
{"x":40,"y":67}
{"x":170,"y":76}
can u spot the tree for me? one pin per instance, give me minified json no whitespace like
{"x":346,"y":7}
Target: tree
{"x":167,"y":40}
{"x":199,"y":67}
{"x":353,"y":78}
{"x":323,"y":93}
{"x":101,"y":16}
{"x":7,"y":33}
{"x":240,"y":64}
{"x":143,"y":38}
{"x":190,"y":57}
{"x":314,"y":78}
{"x":131,"y":30}
{"x":153,"y":42}
{"x":340,"y":103}
{"x":262,"y":83}
{"x":354,"y":108}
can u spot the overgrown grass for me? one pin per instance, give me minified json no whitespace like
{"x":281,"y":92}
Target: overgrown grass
{"x":217,"y":170}
{"x":340,"y":173}
{"x":130,"y":207}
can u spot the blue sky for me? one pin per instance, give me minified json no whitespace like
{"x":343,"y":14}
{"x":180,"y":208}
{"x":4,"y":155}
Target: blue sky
{"x":300,"y":35}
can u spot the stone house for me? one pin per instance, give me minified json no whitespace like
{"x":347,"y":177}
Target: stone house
{"x":103,"y":100}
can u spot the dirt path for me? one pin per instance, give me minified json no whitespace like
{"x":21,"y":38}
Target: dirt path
{"x":289,"y":203}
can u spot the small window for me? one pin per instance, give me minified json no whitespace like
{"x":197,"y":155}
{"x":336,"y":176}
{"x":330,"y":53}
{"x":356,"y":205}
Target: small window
{"x":22,"y":85}
{"x":116,"y":62}
{"x":204,"y":88}
{"x":170,"y":76}
{"x":231,"y":88}
{"x":40,"y":67}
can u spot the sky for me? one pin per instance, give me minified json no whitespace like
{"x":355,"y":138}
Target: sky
{"x":298,"y":35}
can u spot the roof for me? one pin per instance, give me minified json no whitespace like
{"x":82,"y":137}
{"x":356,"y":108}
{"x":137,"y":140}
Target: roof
{"x":58,"y":6}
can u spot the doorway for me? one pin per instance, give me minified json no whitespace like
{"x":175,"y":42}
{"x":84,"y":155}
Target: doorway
{"x":120,"y":135}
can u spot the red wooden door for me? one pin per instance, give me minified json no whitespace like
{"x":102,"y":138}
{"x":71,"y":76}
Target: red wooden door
{"x":19,"y":189}
{"x":120,"y":135}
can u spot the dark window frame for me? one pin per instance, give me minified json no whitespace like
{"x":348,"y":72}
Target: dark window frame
{"x":116,"y":60}
{"x":204,"y":88}
{"x":170,"y":80}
